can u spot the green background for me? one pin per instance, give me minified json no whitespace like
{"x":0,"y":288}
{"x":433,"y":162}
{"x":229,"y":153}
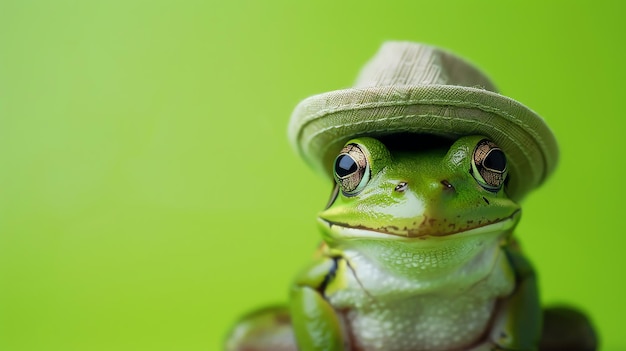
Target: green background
{"x":148,"y":195}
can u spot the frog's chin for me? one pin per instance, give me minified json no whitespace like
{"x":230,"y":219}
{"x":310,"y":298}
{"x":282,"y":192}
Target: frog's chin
{"x":343,"y":232}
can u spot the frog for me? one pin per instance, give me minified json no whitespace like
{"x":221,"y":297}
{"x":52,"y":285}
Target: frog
{"x":418,"y":244}
{"x":418,"y":248}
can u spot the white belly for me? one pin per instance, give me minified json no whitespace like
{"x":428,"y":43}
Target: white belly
{"x":387,"y":312}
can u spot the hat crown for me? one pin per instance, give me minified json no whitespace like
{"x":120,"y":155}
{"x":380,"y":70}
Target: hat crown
{"x":405,"y":63}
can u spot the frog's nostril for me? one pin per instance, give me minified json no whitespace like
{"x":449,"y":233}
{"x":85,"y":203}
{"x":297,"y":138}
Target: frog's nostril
{"x":447,"y":185}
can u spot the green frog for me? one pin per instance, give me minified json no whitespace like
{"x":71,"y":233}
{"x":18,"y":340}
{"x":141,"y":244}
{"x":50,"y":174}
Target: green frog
{"x":418,"y":250}
{"x":418,"y":244}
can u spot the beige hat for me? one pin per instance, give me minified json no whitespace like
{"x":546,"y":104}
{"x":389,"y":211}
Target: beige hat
{"x":415,"y":88}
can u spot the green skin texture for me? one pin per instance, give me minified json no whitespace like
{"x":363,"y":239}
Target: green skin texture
{"x":425,"y":211}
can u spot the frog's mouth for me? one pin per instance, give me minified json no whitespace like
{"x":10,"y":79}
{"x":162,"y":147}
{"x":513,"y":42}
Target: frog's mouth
{"x":423,"y":231}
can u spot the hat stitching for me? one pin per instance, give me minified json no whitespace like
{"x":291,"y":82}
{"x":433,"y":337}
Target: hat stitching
{"x":438,"y":102}
{"x":463,"y":103}
{"x":352,"y":105}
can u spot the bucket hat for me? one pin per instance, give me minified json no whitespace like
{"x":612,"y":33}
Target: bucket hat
{"x":415,"y":88}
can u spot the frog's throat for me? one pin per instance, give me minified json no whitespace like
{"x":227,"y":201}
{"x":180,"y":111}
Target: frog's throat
{"x":344,"y":231}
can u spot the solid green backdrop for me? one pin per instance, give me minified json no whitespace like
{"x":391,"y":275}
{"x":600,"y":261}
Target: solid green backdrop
{"x":148,"y":195}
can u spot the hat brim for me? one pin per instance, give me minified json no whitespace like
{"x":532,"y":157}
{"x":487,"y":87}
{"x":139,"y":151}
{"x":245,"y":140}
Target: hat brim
{"x":322,"y":124}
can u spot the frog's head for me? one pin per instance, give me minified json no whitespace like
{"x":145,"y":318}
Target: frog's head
{"x":419,"y":190}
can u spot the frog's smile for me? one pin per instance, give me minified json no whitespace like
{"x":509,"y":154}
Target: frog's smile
{"x":345,"y":231}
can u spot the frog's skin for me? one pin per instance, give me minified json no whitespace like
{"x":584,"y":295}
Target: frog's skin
{"x":417,"y":255}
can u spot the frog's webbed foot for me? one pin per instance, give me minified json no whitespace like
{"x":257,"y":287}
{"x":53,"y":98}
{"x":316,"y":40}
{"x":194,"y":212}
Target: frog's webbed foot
{"x":268,"y":329}
{"x":566,"y":329}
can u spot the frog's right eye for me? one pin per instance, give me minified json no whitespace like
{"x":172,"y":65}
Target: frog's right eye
{"x":351,"y":169}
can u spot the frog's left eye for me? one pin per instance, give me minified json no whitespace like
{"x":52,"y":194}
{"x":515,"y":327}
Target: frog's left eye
{"x":489,"y":165}
{"x":351,"y":169}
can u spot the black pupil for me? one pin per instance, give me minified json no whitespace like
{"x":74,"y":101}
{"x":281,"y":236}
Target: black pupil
{"x":345,"y":165}
{"x":495,"y":160}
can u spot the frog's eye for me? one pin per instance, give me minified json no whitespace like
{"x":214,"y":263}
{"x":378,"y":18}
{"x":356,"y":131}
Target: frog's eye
{"x":351,"y":170}
{"x":489,"y":165}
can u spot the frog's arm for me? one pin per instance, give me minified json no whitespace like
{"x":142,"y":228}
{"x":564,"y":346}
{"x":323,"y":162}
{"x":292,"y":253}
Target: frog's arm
{"x":316,"y":324}
{"x":517,"y":325}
